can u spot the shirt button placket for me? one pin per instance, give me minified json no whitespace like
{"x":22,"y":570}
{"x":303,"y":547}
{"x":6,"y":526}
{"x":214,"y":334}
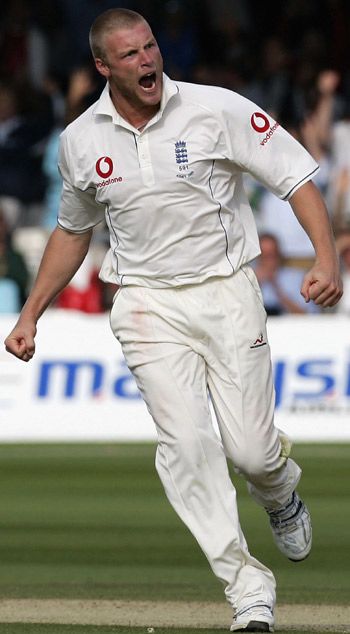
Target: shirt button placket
{"x":145,"y":159}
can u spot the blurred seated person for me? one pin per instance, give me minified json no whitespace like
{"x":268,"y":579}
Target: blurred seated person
{"x":280,"y":285}
{"x":24,"y":45}
{"x":276,"y":218}
{"x":338,"y":195}
{"x":314,"y":131}
{"x":341,"y":198}
{"x":343,"y":246}
{"x":81,"y":88}
{"x":14,"y":275}
{"x":24,"y":128}
{"x":85,"y":292}
{"x":87,"y":298}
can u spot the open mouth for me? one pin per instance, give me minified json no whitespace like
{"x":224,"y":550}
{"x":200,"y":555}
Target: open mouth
{"x":148,"y":82}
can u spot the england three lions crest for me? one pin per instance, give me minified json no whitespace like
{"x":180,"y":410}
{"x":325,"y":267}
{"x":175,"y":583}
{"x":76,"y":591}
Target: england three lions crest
{"x":181,"y":158}
{"x":181,"y":152}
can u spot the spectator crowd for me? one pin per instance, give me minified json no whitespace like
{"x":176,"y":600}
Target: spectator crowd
{"x":288,"y":57}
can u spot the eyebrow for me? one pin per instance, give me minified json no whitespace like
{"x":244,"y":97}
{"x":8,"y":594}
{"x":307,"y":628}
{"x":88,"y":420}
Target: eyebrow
{"x":131,"y":49}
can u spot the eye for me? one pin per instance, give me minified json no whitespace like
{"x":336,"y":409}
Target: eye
{"x":129,"y":54}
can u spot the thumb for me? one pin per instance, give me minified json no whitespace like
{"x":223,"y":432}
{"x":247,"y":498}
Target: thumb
{"x":305,"y":289}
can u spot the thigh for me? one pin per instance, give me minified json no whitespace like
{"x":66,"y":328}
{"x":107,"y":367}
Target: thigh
{"x":240,"y":374}
{"x":172,"y":381}
{"x":169,"y":373}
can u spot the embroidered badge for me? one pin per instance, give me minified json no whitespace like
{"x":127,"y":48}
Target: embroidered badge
{"x":181,"y":152}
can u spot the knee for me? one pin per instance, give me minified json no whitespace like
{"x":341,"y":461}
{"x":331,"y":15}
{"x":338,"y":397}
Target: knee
{"x":254,"y":466}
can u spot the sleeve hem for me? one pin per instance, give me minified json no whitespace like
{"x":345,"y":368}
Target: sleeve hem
{"x":300,"y":183}
{"x":61,"y":226}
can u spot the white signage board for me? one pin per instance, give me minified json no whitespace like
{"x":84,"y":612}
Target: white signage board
{"x":78,"y":388}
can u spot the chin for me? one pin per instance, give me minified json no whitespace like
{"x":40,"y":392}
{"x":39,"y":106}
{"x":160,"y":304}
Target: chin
{"x":151,"y":100}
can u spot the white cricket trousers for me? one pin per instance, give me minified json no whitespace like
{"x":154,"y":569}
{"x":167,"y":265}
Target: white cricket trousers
{"x":181,"y":343}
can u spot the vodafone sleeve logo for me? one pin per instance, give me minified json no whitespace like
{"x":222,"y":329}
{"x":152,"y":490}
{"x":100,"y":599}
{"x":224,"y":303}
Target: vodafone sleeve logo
{"x":259,"y":122}
{"x":104,"y":166}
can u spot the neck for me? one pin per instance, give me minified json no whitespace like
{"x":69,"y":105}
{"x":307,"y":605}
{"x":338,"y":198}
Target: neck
{"x":138,"y":120}
{"x":137,"y":115}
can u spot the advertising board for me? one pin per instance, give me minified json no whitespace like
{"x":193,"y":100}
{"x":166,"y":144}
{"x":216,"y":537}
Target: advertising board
{"x":78,"y":388}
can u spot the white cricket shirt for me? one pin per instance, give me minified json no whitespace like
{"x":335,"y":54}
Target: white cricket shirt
{"x":172,"y":194}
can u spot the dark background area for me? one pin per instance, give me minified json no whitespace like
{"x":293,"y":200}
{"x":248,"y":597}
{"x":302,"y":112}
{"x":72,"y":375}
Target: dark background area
{"x":290,"y":58}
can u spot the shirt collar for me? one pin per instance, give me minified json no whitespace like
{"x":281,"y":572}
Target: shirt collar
{"x":105,"y":106}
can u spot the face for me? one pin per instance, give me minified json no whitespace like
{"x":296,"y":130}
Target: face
{"x":269,"y":252}
{"x":133,"y":66}
{"x":7,"y":104}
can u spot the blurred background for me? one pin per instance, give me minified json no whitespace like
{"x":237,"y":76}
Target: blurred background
{"x":290,"y":58}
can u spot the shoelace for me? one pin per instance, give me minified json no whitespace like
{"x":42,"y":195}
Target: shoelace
{"x":253,"y":609}
{"x":287,"y":514}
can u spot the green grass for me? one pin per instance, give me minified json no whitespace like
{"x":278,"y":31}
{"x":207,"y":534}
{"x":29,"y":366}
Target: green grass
{"x":92,"y":521}
{"x":35,"y":628}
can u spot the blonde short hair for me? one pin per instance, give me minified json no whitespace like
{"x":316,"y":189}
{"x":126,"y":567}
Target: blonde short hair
{"x":109,"y":21}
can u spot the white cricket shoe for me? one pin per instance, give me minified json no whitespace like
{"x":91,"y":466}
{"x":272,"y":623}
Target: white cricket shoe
{"x":291,"y":528}
{"x":256,"y":618}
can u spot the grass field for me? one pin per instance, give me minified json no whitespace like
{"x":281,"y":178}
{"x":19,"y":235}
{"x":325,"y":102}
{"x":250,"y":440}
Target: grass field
{"x":92,"y":522}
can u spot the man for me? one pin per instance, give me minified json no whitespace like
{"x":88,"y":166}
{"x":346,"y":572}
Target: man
{"x":163,"y":161}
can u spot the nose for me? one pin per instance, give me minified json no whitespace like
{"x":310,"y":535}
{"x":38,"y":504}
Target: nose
{"x":146,"y":58}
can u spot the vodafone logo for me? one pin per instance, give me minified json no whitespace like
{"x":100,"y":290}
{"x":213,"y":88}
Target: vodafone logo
{"x":104,"y":166}
{"x":259,"y":122}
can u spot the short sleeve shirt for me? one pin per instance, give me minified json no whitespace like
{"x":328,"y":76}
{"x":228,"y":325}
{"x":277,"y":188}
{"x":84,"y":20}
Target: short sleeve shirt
{"x":172,"y":195}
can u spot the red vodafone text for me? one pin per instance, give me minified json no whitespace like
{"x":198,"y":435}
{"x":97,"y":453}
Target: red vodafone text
{"x":260,"y":123}
{"x":109,"y":181}
{"x":269,"y":133}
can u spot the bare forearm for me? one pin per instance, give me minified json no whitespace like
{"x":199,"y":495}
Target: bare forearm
{"x":322,"y":283}
{"x":63,"y":256}
{"x":312,"y":214}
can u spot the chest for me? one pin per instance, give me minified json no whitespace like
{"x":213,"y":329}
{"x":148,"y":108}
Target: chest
{"x":121,"y":164}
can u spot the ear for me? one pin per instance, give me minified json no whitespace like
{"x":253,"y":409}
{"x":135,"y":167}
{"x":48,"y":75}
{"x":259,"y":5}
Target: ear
{"x":102,"y":67}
